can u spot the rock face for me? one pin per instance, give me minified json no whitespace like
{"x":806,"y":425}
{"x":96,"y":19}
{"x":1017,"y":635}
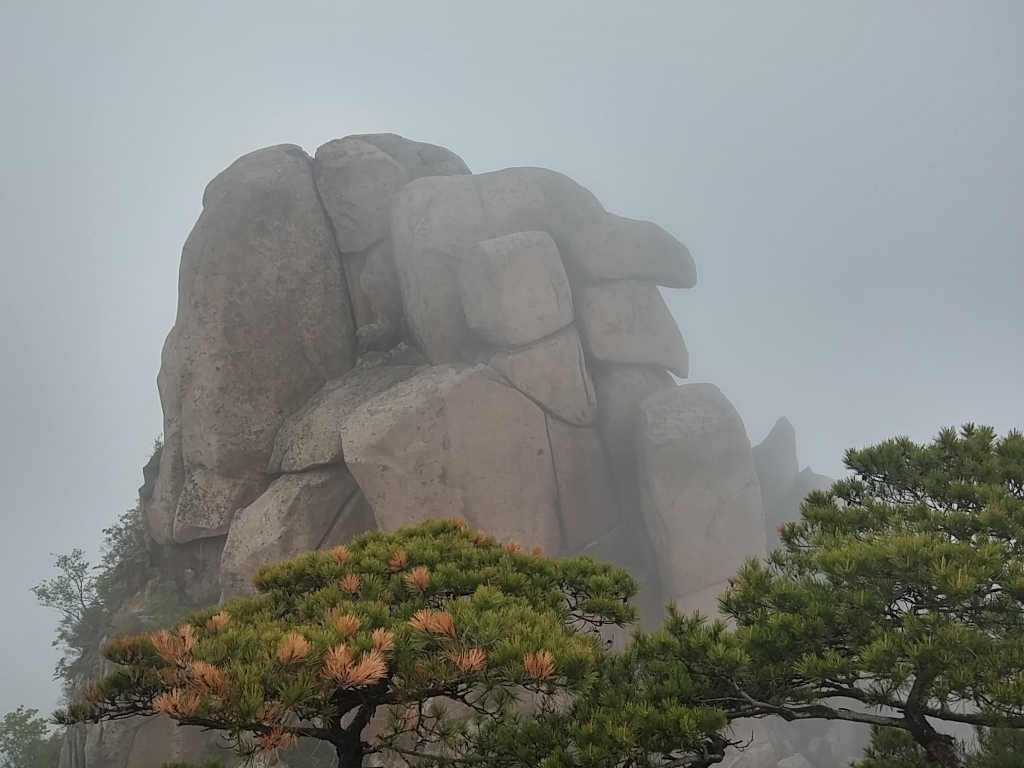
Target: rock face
{"x":244,"y":353}
{"x":436,"y":220}
{"x":427,"y":448}
{"x":514,"y":289}
{"x":311,"y":437}
{"x":552,"y":373}
{"x":294,"y":515}
{"x":783,"y":484}
{"x":357,"y":182}
{"x":377,"y":335}
{"x":137,"y":743}
{"x":626,"y":321}
{"x":699,"y":491}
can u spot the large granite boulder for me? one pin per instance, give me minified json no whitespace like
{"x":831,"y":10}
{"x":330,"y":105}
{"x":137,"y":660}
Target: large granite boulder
{"x":417,"y":157}
{"x":246,"y":351}
{"x":627,"y":321}
{"x":553,"y":373}
{"x":783,"y":484}
{"x":311,"y":437}
{"x":456,"y":440}
{"x":514,"y":289}
{"x":295,"y":514}
{"x":357,"y":183}
{"x":435,"y":221}
{"x":699,"y":491}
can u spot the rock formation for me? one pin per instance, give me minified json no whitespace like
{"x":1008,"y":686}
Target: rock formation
{"x":783,"y":484}
{"x":376,"y":335}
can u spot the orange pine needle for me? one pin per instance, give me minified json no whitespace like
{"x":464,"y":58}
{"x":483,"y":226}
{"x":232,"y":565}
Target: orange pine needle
{"x":177,"y":704}
{"x":348,"y":624}
{"x":441,"y":623}
{"x":341,"y":555}
{"x":383,"y":640}
{"x":512,"y":547}
{"x":422,"y":620}
{"x":469,"y":662}
{"x":293,"y":648}
{"x":371,"y":669}
{"x":398,"y":561}
{"x":351,"y":583}
{"x":418,"y":579}
{"x":276,"y":739}
{"x":539,"y":665}
{"x":205,"y":678}
{"x":218,"y":622}
{"x":268,"y":712}
{"x":337,"y":663}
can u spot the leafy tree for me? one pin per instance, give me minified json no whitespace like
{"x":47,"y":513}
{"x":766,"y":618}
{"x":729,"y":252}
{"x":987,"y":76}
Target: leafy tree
{"x":26,"y":741}
{"x":897,"y":599}
{"x":434,"y":643}
{"x":88,"y":597}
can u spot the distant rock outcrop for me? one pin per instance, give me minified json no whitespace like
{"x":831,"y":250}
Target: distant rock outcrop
{"x":375,"y":335}
{"x":783,"y":484}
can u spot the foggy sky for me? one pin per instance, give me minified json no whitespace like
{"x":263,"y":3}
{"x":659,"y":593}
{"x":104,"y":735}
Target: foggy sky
{"x":848,"y":176}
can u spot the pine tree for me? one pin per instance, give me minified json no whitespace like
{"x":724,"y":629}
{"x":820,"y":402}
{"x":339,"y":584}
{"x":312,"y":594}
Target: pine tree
{"x":434,"y":643}
{"x":896,"y":600}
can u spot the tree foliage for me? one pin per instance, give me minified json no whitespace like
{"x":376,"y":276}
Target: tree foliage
{"x":475,"y":652}
{"x":88,"y":597}
{"x":994,"y":748}
{"x":27,"y":742}
{"x":898,"y":597}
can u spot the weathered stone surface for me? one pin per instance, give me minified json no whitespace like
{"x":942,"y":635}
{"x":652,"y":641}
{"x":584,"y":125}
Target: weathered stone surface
{"x":776,"y":463}
{"x":357,"y":182}
{"x":159,"y":509}
{"x":311,"y":437}
{"x":456,"y":441}
{"x":141,"y":742}
{"x":294,"y":515}
{"x":514,"y":289}
{"x":794,"y":761}
{"x":554,"y":375}
{"x":355,"y":517}
{"x":419,"y":158}
{"x":194,"y":568}
{"x":262,"y":324}
{"x":619,"y":389}
{"x":698,"y":487}
{"x":783,"y":485}
{"x":208,"y":500}
{"x":376,"y":297}
{"x":434,"y":220}
{"x":626,"y":321}
{"x":586,"y":499}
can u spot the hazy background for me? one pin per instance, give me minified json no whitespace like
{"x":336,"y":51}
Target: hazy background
{"x":849,"y":178}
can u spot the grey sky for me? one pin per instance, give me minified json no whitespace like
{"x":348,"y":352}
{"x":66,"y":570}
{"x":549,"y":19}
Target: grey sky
{"x":849,"y":177}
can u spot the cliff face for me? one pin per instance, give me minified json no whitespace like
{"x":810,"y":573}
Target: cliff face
{"x":375,"y":335}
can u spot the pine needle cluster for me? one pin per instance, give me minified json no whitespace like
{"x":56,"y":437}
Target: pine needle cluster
{"x":898,"y":597}
{"x":420,"y":643}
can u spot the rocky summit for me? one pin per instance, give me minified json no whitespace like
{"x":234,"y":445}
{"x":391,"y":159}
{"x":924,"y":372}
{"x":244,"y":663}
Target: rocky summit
{"x":375,"y":335}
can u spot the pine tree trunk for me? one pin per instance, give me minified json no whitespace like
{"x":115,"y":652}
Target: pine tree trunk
{"x":943,"y":752}
{"x":939,"y":747}
{"x":350,"y":754}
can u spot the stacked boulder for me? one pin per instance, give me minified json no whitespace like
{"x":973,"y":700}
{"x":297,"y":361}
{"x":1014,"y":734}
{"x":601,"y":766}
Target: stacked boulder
{"x":375,"y":335}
